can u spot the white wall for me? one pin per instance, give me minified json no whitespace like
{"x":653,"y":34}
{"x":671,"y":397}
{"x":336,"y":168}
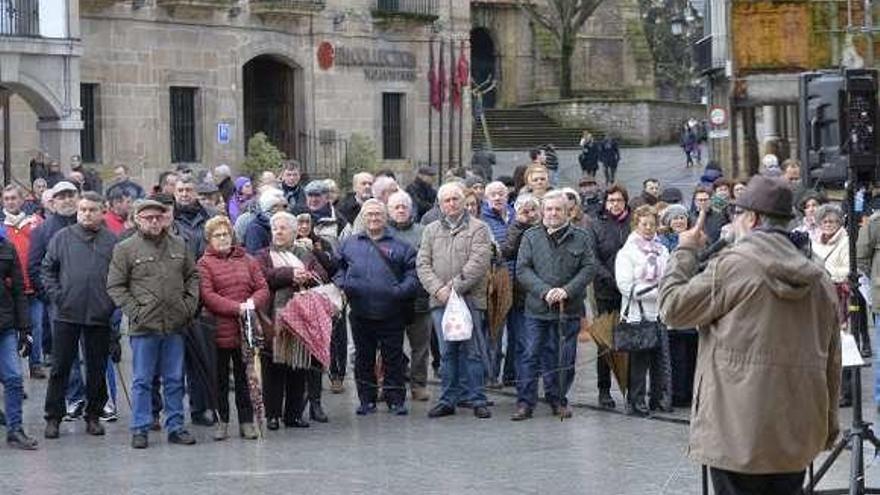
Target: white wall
{"x":53,"y":18}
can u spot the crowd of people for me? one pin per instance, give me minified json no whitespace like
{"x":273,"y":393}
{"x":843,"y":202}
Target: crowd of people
{"x":217,"y":258}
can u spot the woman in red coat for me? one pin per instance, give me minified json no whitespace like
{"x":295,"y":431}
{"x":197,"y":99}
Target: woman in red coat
{"x":229,"y":277}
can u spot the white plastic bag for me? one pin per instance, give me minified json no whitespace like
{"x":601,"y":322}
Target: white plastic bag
{"x":457,"y":322}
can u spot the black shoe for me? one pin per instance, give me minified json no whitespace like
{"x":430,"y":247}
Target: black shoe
{"x":563,"y":412}
{"x":605,"y":399}
{"x":181,"y":437}
{"x":296,"y":423}
{"x":638,"y":410}
{"x":17,"y":439}
{"x":482,"y":412}
{"x":156,"y":425}
{"x":316,"y":413}
{"x":52,"y":426}
{"x":94,"y":427}
{"x":139,"y":441}
{"x":272,"y":424}
{"x":441,"y":410}
{"x":203,"y":418}
{"x":522,"y":413}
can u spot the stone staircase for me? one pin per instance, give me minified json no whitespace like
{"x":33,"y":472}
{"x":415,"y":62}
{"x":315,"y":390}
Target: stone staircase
{"x":523,"y":129}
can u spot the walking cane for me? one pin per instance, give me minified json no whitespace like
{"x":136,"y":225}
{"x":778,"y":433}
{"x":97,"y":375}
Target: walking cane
{"x":124,"y":386}
{"x":559,"y":371}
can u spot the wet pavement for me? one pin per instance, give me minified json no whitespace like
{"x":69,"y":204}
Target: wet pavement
{"x":595,"y":452}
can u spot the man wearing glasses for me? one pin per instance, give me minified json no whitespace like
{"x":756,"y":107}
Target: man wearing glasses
{"x":154,"y":279}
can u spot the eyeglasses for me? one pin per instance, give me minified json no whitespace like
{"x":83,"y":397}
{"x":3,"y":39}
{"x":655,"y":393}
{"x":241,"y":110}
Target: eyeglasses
{"x":738,"y":211}
{"x":614,"y":200}
{"x":151,"y":218}
{"x":220,"y":235}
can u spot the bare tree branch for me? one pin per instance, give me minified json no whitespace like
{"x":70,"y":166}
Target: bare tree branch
{"x":585,"y":10}
{"x":533,"y":13}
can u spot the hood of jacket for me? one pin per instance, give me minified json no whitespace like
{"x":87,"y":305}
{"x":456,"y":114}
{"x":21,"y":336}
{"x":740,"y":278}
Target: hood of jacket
{"x":789,"y":274}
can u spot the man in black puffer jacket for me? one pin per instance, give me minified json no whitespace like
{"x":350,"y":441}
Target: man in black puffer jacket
{"x":75,"y":279}
{"x":610,"y":231}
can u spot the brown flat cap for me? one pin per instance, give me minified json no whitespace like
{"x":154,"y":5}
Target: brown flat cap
{"x":768,"y":195}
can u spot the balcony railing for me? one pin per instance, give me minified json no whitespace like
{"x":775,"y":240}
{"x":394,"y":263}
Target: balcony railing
{"x":425,"y":10}
{"x":20,"y":18}
{"x":286,"y":7}
{"x":710,"y":54}
{"x":202,"y":4}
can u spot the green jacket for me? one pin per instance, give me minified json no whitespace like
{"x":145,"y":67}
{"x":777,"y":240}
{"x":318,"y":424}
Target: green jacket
{"x":155,"y":282}
{"x":543,"y":264}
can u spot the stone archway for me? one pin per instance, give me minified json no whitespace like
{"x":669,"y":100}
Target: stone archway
{"x":272,"y":101}
{"x":484,"y":62}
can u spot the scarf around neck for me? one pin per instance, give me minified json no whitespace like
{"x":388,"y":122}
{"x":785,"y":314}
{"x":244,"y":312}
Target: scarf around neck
{"x":650,"y":273}
{"x":15,"y":220}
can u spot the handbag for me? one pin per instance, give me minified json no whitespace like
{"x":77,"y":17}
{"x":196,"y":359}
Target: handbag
{"x":639,"y":336}
{"x":331,"y":292}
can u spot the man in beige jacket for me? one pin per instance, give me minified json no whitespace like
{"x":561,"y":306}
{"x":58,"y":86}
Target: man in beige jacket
{"x":455,"y":255}
{"x":768,"y":369}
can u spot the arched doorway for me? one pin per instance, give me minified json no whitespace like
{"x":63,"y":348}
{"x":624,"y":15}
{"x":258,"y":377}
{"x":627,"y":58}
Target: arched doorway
{"x":270,"y":102}
{"x":483,"y":58}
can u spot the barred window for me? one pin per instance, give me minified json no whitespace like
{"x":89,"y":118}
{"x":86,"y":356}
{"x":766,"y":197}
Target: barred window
{"x":183,"y":124}
{"x":88,"y":137}
{"x":392,"y":125}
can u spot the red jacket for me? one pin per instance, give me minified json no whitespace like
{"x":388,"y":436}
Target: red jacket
{"x":20,"y":237}
{"x":114,"y":222}
{"x":228,"y":280}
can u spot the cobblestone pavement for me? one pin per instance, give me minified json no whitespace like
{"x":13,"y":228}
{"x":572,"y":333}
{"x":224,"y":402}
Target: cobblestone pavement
{"x":596,"y":452}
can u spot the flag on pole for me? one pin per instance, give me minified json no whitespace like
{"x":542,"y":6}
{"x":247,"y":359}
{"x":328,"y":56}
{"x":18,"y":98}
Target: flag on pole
{"x":434,"y":83}
{"x":462,"y":73}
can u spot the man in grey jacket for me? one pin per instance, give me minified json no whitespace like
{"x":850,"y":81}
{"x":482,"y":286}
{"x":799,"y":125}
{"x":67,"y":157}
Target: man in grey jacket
{"x":555,"y":264}
{"x":455,"y":254}
{"x":74,"y":273}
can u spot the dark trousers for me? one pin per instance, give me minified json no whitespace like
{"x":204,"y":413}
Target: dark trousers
{"x":731,"y":483}
{"x":683,"y":354}
{"x":314,"y":383}
{"x":225,"y":358}
{"x":199,"y":398}
{"x":96,"y":343}
{"x":655,"y":362}
{"x":338,"y":349}
{"x":603,"y":371}
{"x":385,"y":336}
{"x":284,"y":390}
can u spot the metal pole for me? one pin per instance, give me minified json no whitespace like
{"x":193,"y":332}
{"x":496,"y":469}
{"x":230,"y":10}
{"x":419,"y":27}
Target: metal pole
{"x":451,"y":103}
{"x":461,"y":118}
{"x":431,"y":105}
{"x":7,"y":158}
{"x":441,"y":77}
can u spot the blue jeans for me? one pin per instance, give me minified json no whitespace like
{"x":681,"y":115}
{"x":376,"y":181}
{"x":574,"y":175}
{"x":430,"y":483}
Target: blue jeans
{"x":152,"y":354}
{"x":876,"y":358}
{"x":10,"y":375}
{"x":540,"y":341}
{"x":462,"y":364}
{"x":516,"y":322}
{"x":36,"y":309}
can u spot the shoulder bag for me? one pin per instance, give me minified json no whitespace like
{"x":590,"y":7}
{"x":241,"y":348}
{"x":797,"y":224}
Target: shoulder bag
{"x":639,"y":336}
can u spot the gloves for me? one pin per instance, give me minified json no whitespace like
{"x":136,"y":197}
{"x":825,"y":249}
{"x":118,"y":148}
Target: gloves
{"x":115,"y":350}
{"x":25,"y":343}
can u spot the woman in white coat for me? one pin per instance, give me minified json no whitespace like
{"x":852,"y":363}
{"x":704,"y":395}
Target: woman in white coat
{"x":831,"y":250}
{"x":638,"y":269}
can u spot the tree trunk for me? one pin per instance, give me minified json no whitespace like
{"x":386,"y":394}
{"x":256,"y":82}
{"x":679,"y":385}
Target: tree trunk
{"x":566,"y":50}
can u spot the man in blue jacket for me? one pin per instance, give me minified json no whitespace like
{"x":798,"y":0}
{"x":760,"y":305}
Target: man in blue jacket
{"x":378,"y":274}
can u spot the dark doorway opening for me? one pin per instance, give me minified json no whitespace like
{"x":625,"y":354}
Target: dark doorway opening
{"x":483,"y":59}
{"x":270,"y":103}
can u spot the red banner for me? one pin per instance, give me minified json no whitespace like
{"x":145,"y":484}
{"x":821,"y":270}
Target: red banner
{"x":460,"y":76}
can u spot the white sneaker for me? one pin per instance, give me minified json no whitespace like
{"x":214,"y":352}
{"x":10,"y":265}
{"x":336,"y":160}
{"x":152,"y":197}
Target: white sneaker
{"x":109,"y":412}
{"x":75,"y":410}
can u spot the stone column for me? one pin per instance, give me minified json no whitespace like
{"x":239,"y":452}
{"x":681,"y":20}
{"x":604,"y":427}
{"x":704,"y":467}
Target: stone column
{"x":61,"y":139}
{"x":770,"y":142}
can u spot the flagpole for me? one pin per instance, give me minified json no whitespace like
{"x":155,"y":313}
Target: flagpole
{"x":463,"y":84}
{"x":451,"y":102}
{"x":441,"y":87}
{"x":430,"y":105}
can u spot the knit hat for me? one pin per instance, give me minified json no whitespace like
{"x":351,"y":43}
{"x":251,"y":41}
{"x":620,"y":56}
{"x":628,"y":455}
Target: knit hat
{"x":271,"y":198}
{"x":671,"y":212}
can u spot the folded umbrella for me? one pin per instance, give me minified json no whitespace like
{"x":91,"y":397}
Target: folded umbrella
{"x":602,"y":332}
{"x":200,"y":350}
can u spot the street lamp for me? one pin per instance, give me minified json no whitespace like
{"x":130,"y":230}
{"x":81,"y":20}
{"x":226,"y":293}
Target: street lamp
{"x":676,"y":24}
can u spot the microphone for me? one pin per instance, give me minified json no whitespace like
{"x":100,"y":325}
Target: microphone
{"x":713,"y":249}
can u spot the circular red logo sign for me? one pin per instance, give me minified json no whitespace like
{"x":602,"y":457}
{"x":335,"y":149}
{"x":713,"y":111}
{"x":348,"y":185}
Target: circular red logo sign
{"x":326,"y":54}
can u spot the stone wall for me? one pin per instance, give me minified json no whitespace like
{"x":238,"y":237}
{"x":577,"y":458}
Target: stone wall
{"x":136,"y":55}
{"x":640,"y":122}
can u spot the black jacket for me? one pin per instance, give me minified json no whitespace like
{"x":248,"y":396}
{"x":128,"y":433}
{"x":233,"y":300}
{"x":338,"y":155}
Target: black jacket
{"x":13,"y":301}
{"x":349,"y":208}
{"x":509,"y":250}
{"x":40,"y":238}
{"x":295,"y":196}
{"x":75,"y":275}
{"x":190,"y":223}
{"x":609,"y":235}
{"x":423,"y":195}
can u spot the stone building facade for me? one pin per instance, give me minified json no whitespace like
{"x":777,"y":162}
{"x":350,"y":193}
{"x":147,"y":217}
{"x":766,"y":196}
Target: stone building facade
{"x":166,"y":82}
